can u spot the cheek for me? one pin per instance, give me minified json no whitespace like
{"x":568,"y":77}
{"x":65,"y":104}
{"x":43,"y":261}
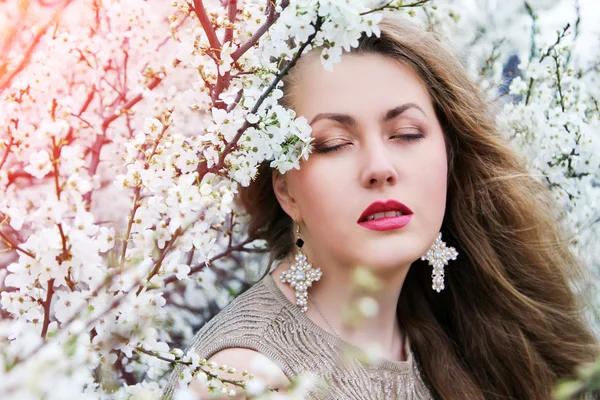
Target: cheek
{"x":320,"y":188}
{"x":433,"y":179}
{"x":438,"y":189}
{"x":438,"y":177}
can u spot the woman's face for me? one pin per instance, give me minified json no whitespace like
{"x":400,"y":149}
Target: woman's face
{"x":376,"y":138}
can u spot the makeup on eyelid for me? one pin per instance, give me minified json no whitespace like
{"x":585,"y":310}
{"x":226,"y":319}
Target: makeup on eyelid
{"x":407,"y":138}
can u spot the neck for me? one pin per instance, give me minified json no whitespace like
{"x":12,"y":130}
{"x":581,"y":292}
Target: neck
{"x":333,"y":294}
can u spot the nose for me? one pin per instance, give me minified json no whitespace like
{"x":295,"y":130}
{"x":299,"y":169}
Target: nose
{"x":378,"y":167}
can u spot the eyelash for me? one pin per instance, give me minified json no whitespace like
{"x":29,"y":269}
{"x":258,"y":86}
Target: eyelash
{"x":407,"y":138}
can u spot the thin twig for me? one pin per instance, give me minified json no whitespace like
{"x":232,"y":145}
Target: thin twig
{"x":224,"y":81}
{"x":7,"y":151}
{"x":239,"y":383}
{"x":271,"y":18}
{"x":233,"y":143}
{"x":14,"y":246}
{"x":387,"y":5}
{"x":133,"y":101}
{"x":201,"y":266}
{"x":158,"y":264}
{"x":534,"y":20}
{"x":560,"y":37}
{"x":136,"y":205}
{"x":529,"y":91}
{"x":559,"y":83}
{"x":117,"y":300}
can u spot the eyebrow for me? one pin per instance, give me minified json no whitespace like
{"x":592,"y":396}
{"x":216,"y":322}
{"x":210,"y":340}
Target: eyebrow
{"x":348,"y":120}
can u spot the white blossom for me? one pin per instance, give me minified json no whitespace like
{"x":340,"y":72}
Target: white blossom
{"x":39,"y":164}
{"x":120,"y":164}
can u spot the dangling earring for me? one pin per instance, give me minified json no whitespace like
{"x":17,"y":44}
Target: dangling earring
{"x":301,"y":275}
{"x":438,"y":256}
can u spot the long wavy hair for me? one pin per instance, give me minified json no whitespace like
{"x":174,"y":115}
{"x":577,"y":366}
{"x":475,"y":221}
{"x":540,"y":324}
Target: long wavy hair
{"x":508,"y":324}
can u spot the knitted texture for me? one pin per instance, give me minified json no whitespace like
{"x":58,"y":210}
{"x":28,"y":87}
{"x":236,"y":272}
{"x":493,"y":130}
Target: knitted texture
{"x":264,"y":320}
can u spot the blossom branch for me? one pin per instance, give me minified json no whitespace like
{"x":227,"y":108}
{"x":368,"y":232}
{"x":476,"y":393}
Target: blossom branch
{"x":136,"y":99}
{"x":548,"y":52}
{"x":239,"y":383}
{"x":560,"y":37}
{"x":7,"y":150}
{"x":207,"y":26}
{"x":46,"y":305}
{"x":388,"y":6}
{"x":223,"y":81}
{"x":534,"y":20}
{"x":13,"y":246}
{"x":36,"y":40}
{"x":65,"y":252}
{"x":163,"y":254}
{"x":136,"y":202}
{"x":101,"y":139}
{"x":271,"y":18}
{"x":115,"y":303}
{"x":558,"y":82}
{"x":200,"y":267}
{"x":231,"y":16}
{"x":233,"y":143}
{"x":136,"y":205}
{"x":95,"y":150}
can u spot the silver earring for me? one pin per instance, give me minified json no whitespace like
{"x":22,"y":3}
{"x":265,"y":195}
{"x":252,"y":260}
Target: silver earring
{"x":438,"y":256}
{"x":301,"y":275}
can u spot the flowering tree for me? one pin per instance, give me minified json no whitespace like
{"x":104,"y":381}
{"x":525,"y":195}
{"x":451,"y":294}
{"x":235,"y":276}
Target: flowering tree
{"x":127,"y":127}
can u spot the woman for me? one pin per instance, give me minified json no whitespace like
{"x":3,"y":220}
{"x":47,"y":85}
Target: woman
{"x":405,"y":151}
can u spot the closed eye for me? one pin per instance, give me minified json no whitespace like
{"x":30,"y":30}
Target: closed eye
{"x":330,"y":149}
{"x":409,"y":138}
{"x":405,"y":138}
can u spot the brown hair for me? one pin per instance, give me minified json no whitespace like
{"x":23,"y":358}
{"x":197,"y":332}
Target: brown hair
{"x":508,"y":324}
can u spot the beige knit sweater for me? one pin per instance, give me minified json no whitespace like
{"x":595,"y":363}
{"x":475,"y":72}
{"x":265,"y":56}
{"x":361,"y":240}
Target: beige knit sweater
{"x":264,"y":320}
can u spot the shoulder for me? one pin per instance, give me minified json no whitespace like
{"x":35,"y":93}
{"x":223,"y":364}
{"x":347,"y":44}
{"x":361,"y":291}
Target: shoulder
{"x":236,"y":337}
{"x":242,"y":360}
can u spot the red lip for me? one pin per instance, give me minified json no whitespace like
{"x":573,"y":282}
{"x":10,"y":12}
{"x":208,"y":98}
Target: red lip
{"x":385,"y":223}
{"x":383,"y":206}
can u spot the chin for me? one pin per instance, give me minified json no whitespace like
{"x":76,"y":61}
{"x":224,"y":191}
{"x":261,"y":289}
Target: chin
{"x":390,"y":254}
{"x":389,"y":263}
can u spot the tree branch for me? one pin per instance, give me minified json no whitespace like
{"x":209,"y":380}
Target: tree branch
{"x":7,"y":151}
{"x":271,"y":18}
{"x":136,"y":198}
{"x":14,"y":246}
{"x":36,"y":40}
{"x":163,"y":254}
{"x":387,"y":5}
{"x":132,"y":102}
{"x":239,"y":383}
{"x":224,"y":81}
{"x":208,"y":27}
{"x":47,"y":302}
{"x":233,"y":143}
{"x":231,"y":16}
{"x":200,"y":267}
{"x":561,"y":35}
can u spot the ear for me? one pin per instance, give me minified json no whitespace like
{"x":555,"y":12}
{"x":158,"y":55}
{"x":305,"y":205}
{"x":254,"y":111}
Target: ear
{"x":285,"y":198}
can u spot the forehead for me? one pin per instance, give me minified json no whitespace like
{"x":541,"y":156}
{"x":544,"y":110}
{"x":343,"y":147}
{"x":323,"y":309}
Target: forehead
{"x":360,"y":85}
